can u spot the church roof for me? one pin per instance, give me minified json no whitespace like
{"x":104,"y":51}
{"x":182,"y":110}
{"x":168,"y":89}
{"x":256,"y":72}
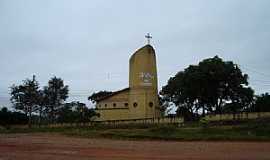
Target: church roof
{"x":144,"y":47}
{"x":114,"y":93}
{"x":148,"y":46}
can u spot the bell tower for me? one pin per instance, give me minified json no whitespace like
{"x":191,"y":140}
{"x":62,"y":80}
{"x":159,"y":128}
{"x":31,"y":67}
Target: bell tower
{"x":143,"y":95}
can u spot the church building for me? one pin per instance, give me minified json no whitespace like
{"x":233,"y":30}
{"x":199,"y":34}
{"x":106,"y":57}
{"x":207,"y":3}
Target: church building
{"x":140,"y":99}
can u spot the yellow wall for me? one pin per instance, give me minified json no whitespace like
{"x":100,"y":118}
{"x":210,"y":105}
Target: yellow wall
{"x":108,"y":111}
{"x":143,"y":61}
{"x":113,"y":114}
{"x":119,"y":99}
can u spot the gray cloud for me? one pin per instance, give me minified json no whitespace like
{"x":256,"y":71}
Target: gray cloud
{"x":88,"y":43}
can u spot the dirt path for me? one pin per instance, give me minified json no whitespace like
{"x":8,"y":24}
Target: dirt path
{"x":53,"y":146}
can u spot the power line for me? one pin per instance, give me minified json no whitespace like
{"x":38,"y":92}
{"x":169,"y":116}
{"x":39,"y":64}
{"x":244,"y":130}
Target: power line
{"x":259,"y":81}
{"x":261,"y":84}
{"x":255,"y":71}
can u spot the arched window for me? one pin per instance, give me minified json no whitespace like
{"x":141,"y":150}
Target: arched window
{"x":105,"y":105}
{"x":135,"y":104}
{"x":126,"y":104}
{"x":151,"y":104}
{"x":114,"y":104}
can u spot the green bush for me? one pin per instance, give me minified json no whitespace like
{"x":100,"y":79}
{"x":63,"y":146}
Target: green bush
{"x":164,"y":129}
{"x":204,"y":122}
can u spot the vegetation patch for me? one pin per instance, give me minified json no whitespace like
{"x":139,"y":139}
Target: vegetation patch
{"x":248,"y":130}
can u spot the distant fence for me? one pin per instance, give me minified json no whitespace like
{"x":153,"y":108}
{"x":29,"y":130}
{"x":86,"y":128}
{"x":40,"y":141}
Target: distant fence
{"x":131,"y":122}
{"x":165,"y":120}
{"x":238,"y":116}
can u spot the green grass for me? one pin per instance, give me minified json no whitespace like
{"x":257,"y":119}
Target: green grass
{"x":247,"y":131}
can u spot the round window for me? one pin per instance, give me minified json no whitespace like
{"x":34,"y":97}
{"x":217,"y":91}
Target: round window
{"x":151,"y":104}
{"x":135,"y":104}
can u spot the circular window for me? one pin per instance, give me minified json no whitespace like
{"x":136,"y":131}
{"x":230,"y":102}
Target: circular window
{"x":151,"y":104}
{"x":114,"y":105}
{"x":135,"y":104}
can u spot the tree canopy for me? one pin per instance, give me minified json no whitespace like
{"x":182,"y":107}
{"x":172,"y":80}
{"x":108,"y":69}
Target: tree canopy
{"x":8,"y":118}
{"x":54,"y":95}
{"x":76,"y":112}
{"x":262,"y":103}
{"x":96,"y":96}
{"x":208,"y":87}
{"x":48,"y":102}
{"x":25,"y":97}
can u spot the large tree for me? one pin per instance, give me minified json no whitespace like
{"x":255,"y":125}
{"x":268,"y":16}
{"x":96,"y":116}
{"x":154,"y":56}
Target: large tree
{"x":208,"y":86}
{"x":25,"y":97}
{"x":54,"y":96}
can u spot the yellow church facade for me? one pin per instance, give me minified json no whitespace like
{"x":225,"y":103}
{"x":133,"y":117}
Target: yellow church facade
{"x":140,"y":99}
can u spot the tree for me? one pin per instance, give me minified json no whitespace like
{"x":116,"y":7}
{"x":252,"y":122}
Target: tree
{"x":76,"y":112}
{"x":96,"y":96}
{"x":66,"y":114}
{"x":86,"y":114}
{"x":181,"y":94}
{"x":4,"y":117}
{"x":42,"y":101}
{"x":25,"y":97}
{"x":54,"y":96}
{"x":262,"y":103}
{"x":208,"y":87}
{"x":164,"y":106}
{"x":222,"y":82}
{"x":242,"y":99}
{"x":8,"y":118}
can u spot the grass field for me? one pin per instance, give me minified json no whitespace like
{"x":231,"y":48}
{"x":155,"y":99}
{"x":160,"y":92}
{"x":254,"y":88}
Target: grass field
{"x":252,"y":130}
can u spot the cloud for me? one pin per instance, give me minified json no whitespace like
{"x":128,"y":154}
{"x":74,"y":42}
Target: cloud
{"x":88,"y":43}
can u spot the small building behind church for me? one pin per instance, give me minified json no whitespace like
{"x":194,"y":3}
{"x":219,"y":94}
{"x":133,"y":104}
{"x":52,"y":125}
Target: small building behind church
{"x":140,"y":99}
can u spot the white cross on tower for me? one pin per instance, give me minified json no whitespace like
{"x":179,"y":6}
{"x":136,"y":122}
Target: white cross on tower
{"x":148,"y":37}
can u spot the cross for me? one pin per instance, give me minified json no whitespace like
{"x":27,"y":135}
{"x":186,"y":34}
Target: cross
{"x":148,"y":37}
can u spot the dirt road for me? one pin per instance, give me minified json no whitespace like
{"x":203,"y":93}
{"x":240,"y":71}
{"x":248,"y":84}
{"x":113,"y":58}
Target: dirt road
{"x":53,"y":146}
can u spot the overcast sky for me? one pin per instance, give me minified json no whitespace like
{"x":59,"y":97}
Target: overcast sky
{"x":88,"y":43}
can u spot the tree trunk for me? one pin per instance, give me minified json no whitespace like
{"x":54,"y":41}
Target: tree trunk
{"x":203,"y":113}
{"x":39,"y":119}
{"x":30,"y":117}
